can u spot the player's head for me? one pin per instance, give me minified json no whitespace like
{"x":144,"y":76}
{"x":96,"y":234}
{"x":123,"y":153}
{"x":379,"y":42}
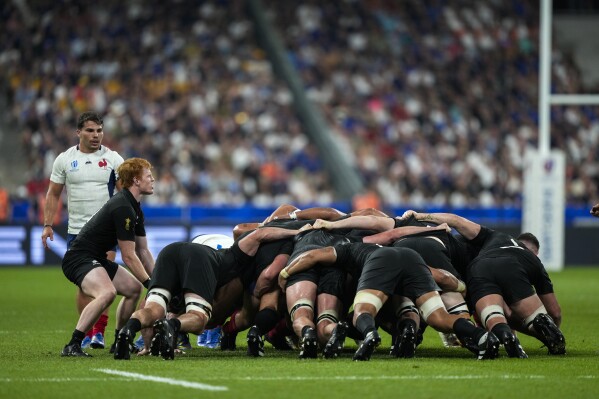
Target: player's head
{"x":89,"y":116}
{"x":530,"y":241}
{"x":216,"y":241}
{"x":132,"y":170}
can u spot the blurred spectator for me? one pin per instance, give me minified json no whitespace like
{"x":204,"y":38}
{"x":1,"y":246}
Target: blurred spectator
{"x":434,"y":102}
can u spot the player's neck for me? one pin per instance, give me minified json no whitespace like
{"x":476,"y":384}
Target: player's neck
{"x":86,"y":150}
{"x":136,"y":193}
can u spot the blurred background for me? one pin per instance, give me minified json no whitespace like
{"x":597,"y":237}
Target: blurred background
{"x":245,"y":105}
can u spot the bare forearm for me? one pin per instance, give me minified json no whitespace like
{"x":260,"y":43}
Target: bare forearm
{"x":465,"y":227}
{"x":147,"y":260}
{"x":134,"y":264}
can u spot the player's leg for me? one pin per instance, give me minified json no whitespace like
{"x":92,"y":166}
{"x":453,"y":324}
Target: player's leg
{"x":490,"y":309}
{"x":300,"y":305}
{"x":367,"y":304}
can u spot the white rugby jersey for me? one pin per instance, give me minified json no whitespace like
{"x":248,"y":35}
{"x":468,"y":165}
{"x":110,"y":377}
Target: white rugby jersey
{"x":89,"y":179}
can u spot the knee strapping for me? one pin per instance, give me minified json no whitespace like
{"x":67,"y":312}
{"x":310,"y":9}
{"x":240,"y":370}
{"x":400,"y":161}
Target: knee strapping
{"x":199,"y":305}
{"x":460,"y":308}
{"x":529,"y":319}
{"x":367,"y":297}
{"x":329,"y":314}
{"x":301,"y":303}
{"x":491,"y":312}
{"x":430,"y":305}
{"x":405,"y":307}
{"x":160,"y":296}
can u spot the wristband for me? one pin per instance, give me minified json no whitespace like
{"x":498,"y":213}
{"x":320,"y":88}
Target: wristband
{"x":48,"y":225}
{"x":147,"y":283}
{"x":284,"y":273}
{"x":461,"y":286}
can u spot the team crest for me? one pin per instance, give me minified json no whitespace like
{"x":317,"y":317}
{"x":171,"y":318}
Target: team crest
{"x":127,"y":223}
{"x":74,"y":165}
{"x":103,"y":163}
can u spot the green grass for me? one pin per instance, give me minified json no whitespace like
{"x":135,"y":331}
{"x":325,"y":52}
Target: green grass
{"x":37,"y":315}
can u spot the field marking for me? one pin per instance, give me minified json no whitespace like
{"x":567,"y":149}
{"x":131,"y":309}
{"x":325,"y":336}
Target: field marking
{"x":170,"y":381}
{"x":133,"y":376}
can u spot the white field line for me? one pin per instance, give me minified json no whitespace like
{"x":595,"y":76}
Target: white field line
{"x":170,"y":381}
{"x":133,"y":376}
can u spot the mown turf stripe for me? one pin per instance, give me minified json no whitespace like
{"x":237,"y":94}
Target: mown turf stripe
{"x":170,"y":381}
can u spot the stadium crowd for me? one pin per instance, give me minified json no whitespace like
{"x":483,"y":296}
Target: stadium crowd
{"x":434,"y":102}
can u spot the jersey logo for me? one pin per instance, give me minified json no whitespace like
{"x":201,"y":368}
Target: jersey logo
{"x":513,"y":246}
{"x":74,"y":165}
{"x":127,"y":223}
{"x":103,"y":163}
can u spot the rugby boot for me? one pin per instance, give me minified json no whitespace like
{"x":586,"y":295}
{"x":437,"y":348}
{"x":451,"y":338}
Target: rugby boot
{"x":336,"y":342}
{"x":255,"y":343}
{"x":308,"y":344}
{"x":165,"y":340}
{"x":512,"y":346}
{"x":366,"y":348}
{"x":550,"y":334}
{"x":487,"y":347}
{"x":124,"y":342}
{"x":74,"y":350}
{"x":404,"y":344}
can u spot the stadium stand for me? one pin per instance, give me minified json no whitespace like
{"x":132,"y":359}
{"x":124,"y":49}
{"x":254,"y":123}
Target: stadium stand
{"x":433,"y":102}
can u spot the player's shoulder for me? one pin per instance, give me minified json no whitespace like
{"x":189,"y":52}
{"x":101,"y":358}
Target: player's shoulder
{"x":114,"y":156}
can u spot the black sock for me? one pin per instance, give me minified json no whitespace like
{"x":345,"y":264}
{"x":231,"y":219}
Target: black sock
{"x":465,"y":328}
{"x":77,"y":337}
{"x":176,"y":323}
{"x":266,"y":320}
{"x":353,"y":333}
{"x":134,"y":325}
{"x":502,"y":330}
{"x":365,"y":323}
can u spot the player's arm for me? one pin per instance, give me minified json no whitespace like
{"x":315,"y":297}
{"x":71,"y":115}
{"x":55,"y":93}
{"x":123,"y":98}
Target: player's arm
{"x":132,"y":261}
{"x":465,"y":227}
{"x":243,"y":228}
{"x":250,"y":243}
{"x":375,"y":223}
{"x":553,"y":309}
{"x":388,"y":237}
{"x":307,"y":260}
{"x":268,"y":278}
{"x":50,"y":207}
{"x":287,"y":211}
{"x":144,"y":254}
{"x":447,"y":281}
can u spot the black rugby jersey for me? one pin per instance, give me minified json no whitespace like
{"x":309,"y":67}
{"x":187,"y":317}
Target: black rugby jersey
{"x":120,"y":218}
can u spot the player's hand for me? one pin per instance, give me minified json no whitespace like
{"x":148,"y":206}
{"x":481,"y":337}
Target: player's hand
{"x":282,"y":283}
{"x":408,"y":213}
{"x":444,"y":226}
{"x":305,"y":227}
{"x":48,"y":232}
{"x":595,"y":210}
{"x":322,"y":224}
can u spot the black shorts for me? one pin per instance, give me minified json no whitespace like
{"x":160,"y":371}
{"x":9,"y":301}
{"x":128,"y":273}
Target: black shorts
{"x":398,"y":271}
{"x":76,"y":265}
{"x":328,"y":279}
{"x":501,"y":275}
{"x":432,"y":251}
{"x":181,"y":268}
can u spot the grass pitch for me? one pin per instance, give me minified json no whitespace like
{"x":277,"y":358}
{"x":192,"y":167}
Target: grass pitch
{"x":37,"y":316}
